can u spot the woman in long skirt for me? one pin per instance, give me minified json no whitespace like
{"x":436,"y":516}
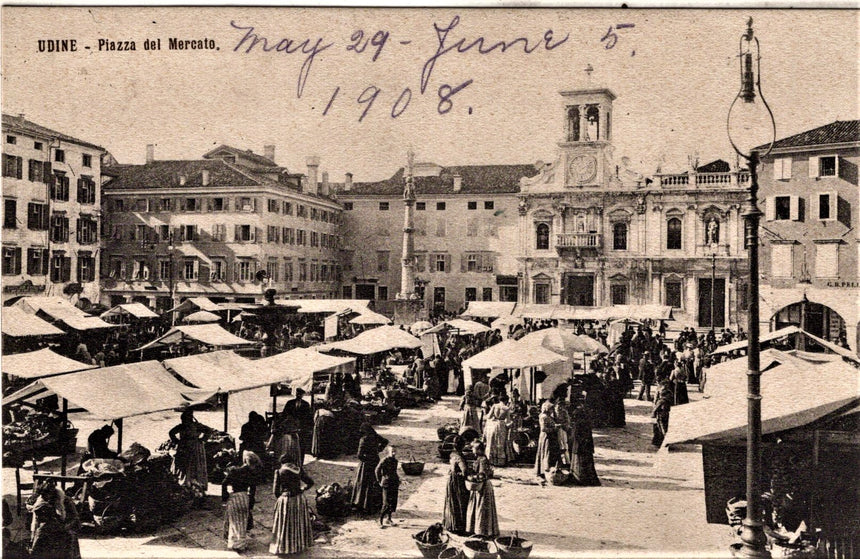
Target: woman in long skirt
{"x":285,"y":440}
{"x":496,"y":432}
{"x":292,"y":527}
{"x":367,"y":494}
{"x":323,"y":445}
{"x":582,"y":448}
{"x":547,"y":450}
{"x":237,"y":515}
{"x":469,"y":406}
{"x":481,"y":516}
{"x":456,"y":496}
{"x":189,"y":464}
{"x":679,"y":383}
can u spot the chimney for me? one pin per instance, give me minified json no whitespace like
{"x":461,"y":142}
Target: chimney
{"x":324,"y":188}
{"x":313,"y":163}
{"x":269,"y":152}
{"x":458,"y":183}
{"x":150,"y":153}
{"x":205,"y":177}
{"x":347,"y":185}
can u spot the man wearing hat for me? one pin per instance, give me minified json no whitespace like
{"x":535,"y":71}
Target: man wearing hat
{"x":300,"y":410}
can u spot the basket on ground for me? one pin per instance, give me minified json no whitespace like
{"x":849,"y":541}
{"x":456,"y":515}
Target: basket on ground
{"x":430,"y":550}
{"x":474,"y":485}
{"x":412,"y":468}
{"x":559,"y":476}
{"x":513,"y":547}
{"x":480,"y":549}
{"x":451,"y":553}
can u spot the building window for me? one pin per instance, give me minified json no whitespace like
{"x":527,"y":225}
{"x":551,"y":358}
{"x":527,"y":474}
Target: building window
{"x":487,"y":294}
{"x":673,"y":294}
{"x":87,"y":160}
{"x":243,"y":270}
{"x":347,"y":206}
{"x":782,"y":168}
{"x":303,"y":271}
{"x":440,"y":227}
{"x":440,"y":206}
{"x":420,"y":262}
{"x":781,"y":261}
{"x":315,"y":239}
{"x":827,"y":205}
{"x":190,"y":204}
{"x":619,"y":236}
{"x":273,"y":233}
{"x":472,"y":227}
{"x":13,"y":166}
{"x":37,"y":216}
{"x":11,"y":261}
{"x":219,"y":232}
{"x":827,"y":260}
{"x":272,"y":270}
{"x":190,"y":269}
{"x":87,"y":192}
{"x":187,"y":233}
{"x":164,"y":269}
{"x":37,"y":261}
{"x":39,"y":171}
{"x":301,"y":211}
{"x":472,"y":263}
{"x":287,"y":208}
{"x":542,"y":293}
{"x":673,"y":233}
{"x":382,"y":293}
{"x":382,"y":258}
{"x":60,"y":188}
{"x":471,"y":206}
{"x":11,"y":139}
{"x":60,"y":155}
{"x":217,"y":204}
{"x":37,"y":145}
{"x":782,"y":208}
{"x":272,"y":206}
{"x":289,"y":236}
{"x":489,"y":205}
{"x":86,"y":267}
{"x":421,"y":206}
{"x":827,"y":166}
{"x":618,"y":293}
{"x":61,"y":268}
{"x":441,"y":263}
{"x":383,"y":206}
{"x":243,"y":233}
{"x":288,"y":271}
{"x":10,"y":213}
{"x":87,"y":231}
{"x":301,"y":237}
{"x":59,"y":229}
{"x":542,"y":236}
{"x":140,"y":269}
{"x":471,"y":294}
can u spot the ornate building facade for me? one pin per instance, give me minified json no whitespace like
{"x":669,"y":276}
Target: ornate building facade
{"x":595,"y":233}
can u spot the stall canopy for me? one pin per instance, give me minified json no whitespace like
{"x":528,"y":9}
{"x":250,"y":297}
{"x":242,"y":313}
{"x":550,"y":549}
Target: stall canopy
{"x":200,"y":303}
{"x":511,"y":354}
{"x":299,"y":366}
{"x":463,"y":327}
{"x":785,"y":332}
{"x":563,"y":342}
{"x":137,"y":310}
{"x":208,"y":334}
{"x":327,"y":305}
{"x":19,"y":323}
{"x":41,"y":363}
{"x":383,"y":338}
{"x":488,"y":309}
{"x":201,"y":317}
{"x":566,"y":312}
{"x":112,"y":393}
{"x":219,"y":371}
{"x":792,"y":396}
{"x":63,"y":311}
{"x":369,"y":317}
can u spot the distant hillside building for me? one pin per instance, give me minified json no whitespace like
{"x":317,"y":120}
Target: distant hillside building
{"x":51,"y":212}
{"x":207,"y":227}
{"x":810,"y":231}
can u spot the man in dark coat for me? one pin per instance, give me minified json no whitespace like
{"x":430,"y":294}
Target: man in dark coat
{"x":299,"y":409}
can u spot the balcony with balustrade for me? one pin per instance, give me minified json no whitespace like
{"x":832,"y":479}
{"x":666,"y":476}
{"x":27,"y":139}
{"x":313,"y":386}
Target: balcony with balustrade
{"x":579,"y":241}
{"x":731,"y":179}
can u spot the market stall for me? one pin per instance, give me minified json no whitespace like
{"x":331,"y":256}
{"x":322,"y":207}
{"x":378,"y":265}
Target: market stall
{"x":20,"y":368}
{"x":23,"y":331}
{"x":459,"y":327}
{"x":564,"y":342}
{"x":126,"y":312}
{"x":377,"y":340}
{"x":368,"y":317}
{"x":60,"y":310}
{"x":488,"y":309}
{"x":201,"y":317}
{"x":789,"y":335}
{"x":208,"y":335}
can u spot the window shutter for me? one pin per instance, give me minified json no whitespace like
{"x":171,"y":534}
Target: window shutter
{"x":813,"y":166}
{"x":237,"y":233}
{"x":67,"y":268}
{"x":786,"y":167}
{"x":209,"y":205}
{"x":447,"y":263}
{"x":196,"y":269}
{"x":834,"y":205}
{"x":145,"y":271}
{"x":31,"y":175}
{"x":205,"y":274}
{"x":254,"y":205}
{"x":795,"y":208}
{"x":17,"y":260}
{"x":816,"y":205}
{"x":47,"y":176}
{"x":463,"y":259}
{"x":258,"y":234}
{"x":19,"y":171}
{"x":78,"y":231}
{"x":770,"y":208}
{"x":45,"y":261}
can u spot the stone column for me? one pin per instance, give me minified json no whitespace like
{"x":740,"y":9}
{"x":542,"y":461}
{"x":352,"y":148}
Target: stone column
{"x":583,"y":122}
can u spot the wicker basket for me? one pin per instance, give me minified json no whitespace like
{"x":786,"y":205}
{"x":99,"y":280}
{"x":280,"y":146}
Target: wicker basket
{"x":559,"y":476}
{"x":472,"y":485}
{"x":430,"y":551}
{"x":480,"y":549}
{"x":451,"y":553}
{"x":513,"y":547}
{"x":412,"y":468}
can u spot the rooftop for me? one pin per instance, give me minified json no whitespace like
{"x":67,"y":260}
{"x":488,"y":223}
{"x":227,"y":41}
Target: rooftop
{"x":247,"y":154}
{"x":476,"y":179}
{"x":838,"y":132}
{"x":166,"y":174}
{"x":27,"y":126}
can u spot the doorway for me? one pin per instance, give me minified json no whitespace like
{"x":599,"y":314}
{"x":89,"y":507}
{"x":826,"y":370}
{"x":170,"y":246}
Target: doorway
{"x":718,"y":291}
{"x":580,"y":291}
{"x":365,"y":291}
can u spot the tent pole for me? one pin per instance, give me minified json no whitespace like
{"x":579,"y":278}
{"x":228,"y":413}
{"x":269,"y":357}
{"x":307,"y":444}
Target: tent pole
{"x":63,"y":432}
{"x":226,"y":404}
{"x":274,"y":401}
{"x":118,"y":423}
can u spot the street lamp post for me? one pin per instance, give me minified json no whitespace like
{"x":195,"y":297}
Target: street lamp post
{"x":746,"y":119}
{"x":170,"y":279}
{"x":713,"y":281}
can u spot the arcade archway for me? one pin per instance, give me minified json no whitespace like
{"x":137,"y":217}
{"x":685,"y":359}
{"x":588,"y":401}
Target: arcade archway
{"x":815,"y":318}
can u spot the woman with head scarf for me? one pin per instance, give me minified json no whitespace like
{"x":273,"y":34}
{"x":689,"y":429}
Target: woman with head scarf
{"x":582,"y":446}
{"x":366,"y":493}
{"x":292,"y":526}
{"x":547,"y":450}
{"x":50,"y":538}
{"x":285,"y":439}
{"x":189,"y":463}
{"x":254,"y":434}
{"x":678,"y":378}
{"x":456,"y":496}
{"x":469,"y":406}
{"x":389,"y":481}
{"x":237,"y":515}
{"x":325,"y":432}
{"x":481,"y":516}
{"x":496,"y":432}
{"x":660,"y":413}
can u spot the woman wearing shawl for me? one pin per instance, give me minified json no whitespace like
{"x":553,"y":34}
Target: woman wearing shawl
{"x":496,"y":433}
{"x":547,"y":450}
{"x":469,"y":406}
{"x":292,"y":526}
{"x":286,"y":440}
{"x":456,"y":496}
{"x":582,"y":447}
{"x":367,"y":494}
{"x":481,"y":516}
{"x":189,"y":464}
{"x":237,"y":515}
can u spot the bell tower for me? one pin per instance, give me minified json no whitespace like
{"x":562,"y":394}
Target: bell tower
{"x":586,"y":147}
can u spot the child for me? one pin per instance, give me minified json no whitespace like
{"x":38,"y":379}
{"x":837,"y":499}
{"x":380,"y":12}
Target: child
{"x":386,"y":475}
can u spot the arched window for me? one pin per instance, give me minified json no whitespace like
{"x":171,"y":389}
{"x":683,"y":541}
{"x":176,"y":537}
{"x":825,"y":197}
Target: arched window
{"x":573,"y":124}
{"x":673,"y":234}
{"x":592,"y":116}
{"x":542,"y":236}
{"x":619,"y":236}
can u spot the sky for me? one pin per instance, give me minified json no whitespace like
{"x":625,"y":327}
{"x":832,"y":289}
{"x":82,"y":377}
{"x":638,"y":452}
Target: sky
{"x":361,"y":106}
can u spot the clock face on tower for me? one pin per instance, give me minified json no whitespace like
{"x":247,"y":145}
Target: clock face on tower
{"x":582,"y":168}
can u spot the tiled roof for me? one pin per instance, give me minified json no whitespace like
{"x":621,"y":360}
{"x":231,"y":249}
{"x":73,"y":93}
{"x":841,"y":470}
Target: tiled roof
{"x":247,"y":154}
{"x":477,"y":179}
{"x":16,"y":122}
{"x":718,"y":166}
{"x":839,"y":132}
{"x":165,"y":174}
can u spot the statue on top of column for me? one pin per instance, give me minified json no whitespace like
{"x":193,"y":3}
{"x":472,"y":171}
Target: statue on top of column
{"x":409,"y":188}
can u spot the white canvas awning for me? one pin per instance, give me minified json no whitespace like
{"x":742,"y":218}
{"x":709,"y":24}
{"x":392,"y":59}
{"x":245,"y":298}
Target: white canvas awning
{"x":41,"y":363}
{"x":219,"y":371}
{"x":201,"y":303}
{"x":563,"y":342}
{"x":18,"y":323}
{"x":369,"y":317}
{"x":327,"y":305}
{"x":463,"y":327}
{"x":488,"y":309}
{"x":112,"y":393}
{"x":137,"y":310}
{"x":299,"y":366}
{"x":383,"y":338}
{"x":201,"y":317}
{"x":783,"y":333}
{"x":208,"y":334}
{"x":61,"y":310}
{"x":510,"y":354}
